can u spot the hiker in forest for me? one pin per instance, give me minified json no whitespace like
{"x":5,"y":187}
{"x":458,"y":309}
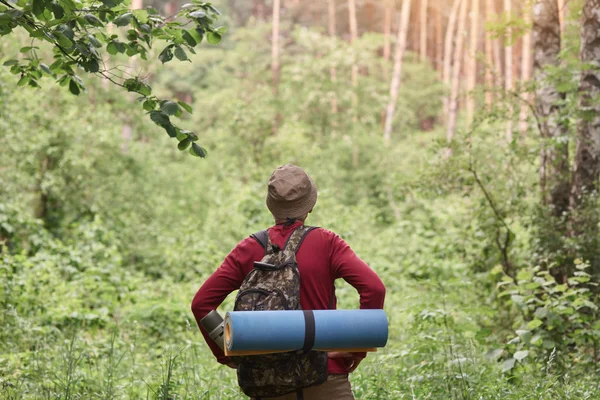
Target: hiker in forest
{"x":322,"y":257}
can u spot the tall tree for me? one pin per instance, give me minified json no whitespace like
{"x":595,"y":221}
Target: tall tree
{"x":448,"y":44}
{"x":423,"y":34}
{"x":495,"y":43}
{"x":489,"y":63}
{"x":525,"y":64}
{"x":397,"y":74}
{"x":387,"y":35}
{"x":453,"y":103}
{"x":472,"y":59}
{"x":439,"y":37}
{"x":508,"y":67}
{"x":554,"y":163}
{"x":586,"y":168}
{"x":353,"y":36}
{"x":332,"y":72}
{"x":275,"y":60}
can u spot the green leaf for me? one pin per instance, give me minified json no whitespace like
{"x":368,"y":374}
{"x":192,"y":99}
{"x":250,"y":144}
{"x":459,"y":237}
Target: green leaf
{"x":58,"y":11}
{"x":141,"y":16}
{"x":534,"y":324}
{"x":180,"y":54}
{"x":91,"y":65}
{"x":169,"y":107}
{"x":149,"y":105}
{"x":74,"y":88}
{"x":111,"y":3}
{"x":94,"y":42}
{"x":166,"y":55}
{"x":27,"y":49}
{"x":221,"y":30}
{"x":120,"y":46}
{"x":46,"y":69}
{"x":508,"y":365}
{"x":185,"y":106}
{"x":189,"y":39}
{"x":197,"y":151}
{"x":160,"y":118}
{"x":38,"y":7}
{"x":520,"y":355}
{"x":111,"y":48}
{"x":184,"y":144}
{"x":197,"y":34}
{"x":213,"y":37}
{"x":198,"y":14}
{"x":93,"y":20}
{"x":524,"y":275}
{"x":23,"y":81}
{"x":123,"y":19}
{"x":64,"y":41}
{"x":10,"y":62}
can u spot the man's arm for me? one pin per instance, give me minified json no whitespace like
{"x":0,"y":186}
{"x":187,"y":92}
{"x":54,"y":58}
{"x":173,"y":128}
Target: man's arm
{"x":348,"y":266}
{"x":227,"y":278}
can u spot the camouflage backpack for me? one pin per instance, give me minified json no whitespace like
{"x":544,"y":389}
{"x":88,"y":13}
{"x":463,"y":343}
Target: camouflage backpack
{"x":274,"y":284}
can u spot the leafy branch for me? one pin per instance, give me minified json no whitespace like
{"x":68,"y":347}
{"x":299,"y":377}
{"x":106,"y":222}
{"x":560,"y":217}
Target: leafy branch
{"x":78,"y":35}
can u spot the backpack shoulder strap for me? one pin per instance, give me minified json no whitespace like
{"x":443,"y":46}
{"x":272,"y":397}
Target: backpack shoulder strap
{"x":262,"y":238}
{"x":297,"y":237}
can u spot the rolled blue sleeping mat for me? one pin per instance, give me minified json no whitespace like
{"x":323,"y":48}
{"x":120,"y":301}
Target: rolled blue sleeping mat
{"x":285,"y":330}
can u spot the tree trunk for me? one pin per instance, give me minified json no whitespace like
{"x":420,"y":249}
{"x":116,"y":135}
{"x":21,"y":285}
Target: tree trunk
{"x":489,"y":72}
{"x":525,"y":67}
{"x":448,"y":42}
{"x":554,"y":163}
{"x":472,"y":60}
{"x":439,"y":39}
{"x":275,"y":62}
{"x":460,"y":38}
{"x":397,"y":74}
{"x":561,"y":16}
{"x":508,"y":69}
{"x":332,"y":72}
{"x":353,"y":37}
{"x":495,"y":44}
{"x":423,"y":33}
{"x":586,"y":169}
{"x":387,"y":36}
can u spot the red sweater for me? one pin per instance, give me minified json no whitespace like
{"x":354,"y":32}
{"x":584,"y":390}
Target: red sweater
{"x":322,"y":258}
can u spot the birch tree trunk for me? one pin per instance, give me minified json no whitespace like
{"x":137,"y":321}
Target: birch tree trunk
{"x":561,"y":16}
{"x":472,"y":60}
{"x":439,"y":38}
{"x":397,"y":74}
{"x":353,"y":37}
{"x":453,"y":106}
{"x":508,"y":70}
{"x":275,"y":62}
{"x":332,"y":72}
{"x":586,"y":169}
{"x":525,"y":66}
{"x":387,"y":36}
{"x":495,"y":44}
{"x":554,"y":163}
{"x":423,"y":33}
{"x":489,"y":75}
{"x":448,"y":42}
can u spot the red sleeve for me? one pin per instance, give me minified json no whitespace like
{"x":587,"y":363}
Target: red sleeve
{"x":348,"y":266}
{"x":227,"y":278}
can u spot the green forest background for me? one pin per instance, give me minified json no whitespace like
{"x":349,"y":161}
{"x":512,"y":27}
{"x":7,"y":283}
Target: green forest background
{"x":107,"y":230}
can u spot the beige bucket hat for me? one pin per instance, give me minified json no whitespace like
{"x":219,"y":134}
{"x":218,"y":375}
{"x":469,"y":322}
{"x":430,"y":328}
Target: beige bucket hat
{"x":292,"y":194}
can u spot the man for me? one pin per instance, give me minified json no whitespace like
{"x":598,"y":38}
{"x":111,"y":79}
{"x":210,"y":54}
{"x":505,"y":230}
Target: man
{"x":322,"y":258}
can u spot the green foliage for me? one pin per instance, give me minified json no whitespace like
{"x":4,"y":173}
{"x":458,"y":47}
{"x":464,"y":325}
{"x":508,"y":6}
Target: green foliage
{"x":73,"y":36}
